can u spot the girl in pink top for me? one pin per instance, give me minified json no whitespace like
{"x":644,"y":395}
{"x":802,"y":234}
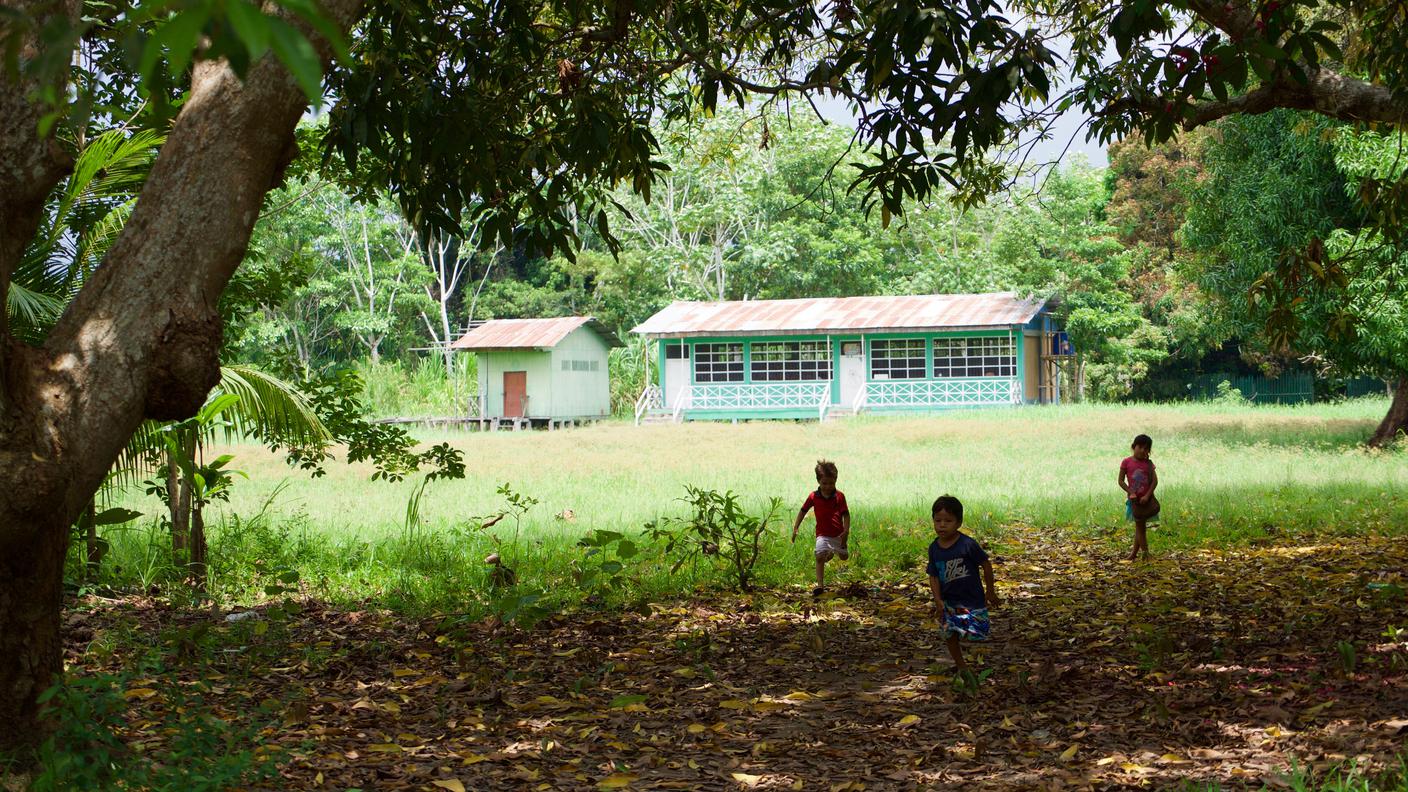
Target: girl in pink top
{"x":1138,"y":480}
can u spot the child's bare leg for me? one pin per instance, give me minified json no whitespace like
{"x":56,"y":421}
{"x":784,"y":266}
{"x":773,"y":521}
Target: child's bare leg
{"x":1140,"y":541}
{"x":820,"y":573}
{"x":956,"y":652}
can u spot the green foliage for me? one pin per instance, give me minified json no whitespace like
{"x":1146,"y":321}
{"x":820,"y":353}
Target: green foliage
{"x":419,"y":388}
{"x":1349,"y":658}
{"x":719,"y":530}
{"x":1281,"y":243}
{"x":326,"y":279}
{"x":574,"y":88}
{"x":152,"y":46}
{"x":632,"y":368}
{"x":197,"y":751}
{"x":81,"y":220}
{"x":597,"y":570}
{"x":1344,"y":777}
{"x":1228,"y":395}
{"x":391,"y":449}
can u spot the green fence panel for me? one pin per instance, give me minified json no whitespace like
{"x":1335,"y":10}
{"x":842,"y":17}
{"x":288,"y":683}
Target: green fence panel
{"x":1364,"y":386}
{"x":1286,"y":389}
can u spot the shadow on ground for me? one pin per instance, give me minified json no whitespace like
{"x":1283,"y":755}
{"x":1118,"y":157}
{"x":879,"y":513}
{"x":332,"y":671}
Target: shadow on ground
{"x":1207,"y":666}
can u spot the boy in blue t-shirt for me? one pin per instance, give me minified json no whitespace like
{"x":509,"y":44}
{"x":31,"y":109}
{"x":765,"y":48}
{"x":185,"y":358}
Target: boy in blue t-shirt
{"x":954,"y":560}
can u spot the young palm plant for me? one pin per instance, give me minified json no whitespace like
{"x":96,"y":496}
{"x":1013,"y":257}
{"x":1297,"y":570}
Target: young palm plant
{"x":246,"y":404}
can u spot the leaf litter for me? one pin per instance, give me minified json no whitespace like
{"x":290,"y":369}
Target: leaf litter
{"x":1216,"y":665}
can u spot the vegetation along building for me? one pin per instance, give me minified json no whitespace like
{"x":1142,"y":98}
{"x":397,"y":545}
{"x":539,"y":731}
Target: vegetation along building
{"x":830,"y":357}
{"x":542,"y":371}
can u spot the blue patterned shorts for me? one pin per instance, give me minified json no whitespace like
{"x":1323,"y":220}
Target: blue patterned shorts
{"x":970,"y":624}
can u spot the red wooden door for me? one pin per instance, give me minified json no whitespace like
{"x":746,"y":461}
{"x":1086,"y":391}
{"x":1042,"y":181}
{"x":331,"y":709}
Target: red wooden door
{"x":515,"y":393}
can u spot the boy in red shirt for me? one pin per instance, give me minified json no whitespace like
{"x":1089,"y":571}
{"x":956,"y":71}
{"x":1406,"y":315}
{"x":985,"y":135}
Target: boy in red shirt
{"x":1138,"y":480}
{"x":833,"y":521}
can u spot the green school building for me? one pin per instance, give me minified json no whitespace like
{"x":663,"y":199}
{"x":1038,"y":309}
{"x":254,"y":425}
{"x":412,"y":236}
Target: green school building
{"x":834,"y":357}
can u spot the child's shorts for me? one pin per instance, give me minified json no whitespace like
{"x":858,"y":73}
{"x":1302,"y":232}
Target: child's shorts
{"x":970,"y":624}
{"x":828,"y":547}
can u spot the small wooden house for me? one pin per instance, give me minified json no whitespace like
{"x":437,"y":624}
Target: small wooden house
{"x":542,"y":370}
{"x":831,"y":357}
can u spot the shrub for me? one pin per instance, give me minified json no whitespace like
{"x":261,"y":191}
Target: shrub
{"x":719,"y":530}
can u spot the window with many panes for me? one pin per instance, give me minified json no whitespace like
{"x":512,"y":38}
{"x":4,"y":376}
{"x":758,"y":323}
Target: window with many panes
{"x":718,"y":362}
{"x":790,"y":361}
{"x":897,"y":358}
{"x":974,"y":357}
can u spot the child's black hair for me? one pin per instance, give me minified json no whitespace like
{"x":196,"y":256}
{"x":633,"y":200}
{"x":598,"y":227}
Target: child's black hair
{"x":825,"y":467}
{"x":949,"y":504}
{"x":1143,"y":440}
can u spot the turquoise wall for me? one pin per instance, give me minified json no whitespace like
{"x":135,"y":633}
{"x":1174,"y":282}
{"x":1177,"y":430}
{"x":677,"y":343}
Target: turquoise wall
{"x":926,"y":393}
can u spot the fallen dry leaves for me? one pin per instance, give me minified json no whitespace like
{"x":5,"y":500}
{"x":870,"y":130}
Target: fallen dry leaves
{"x":1212,"y":665}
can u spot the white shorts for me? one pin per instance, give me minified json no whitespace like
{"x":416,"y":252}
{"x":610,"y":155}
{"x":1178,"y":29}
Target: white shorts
{"x":828,"y":547}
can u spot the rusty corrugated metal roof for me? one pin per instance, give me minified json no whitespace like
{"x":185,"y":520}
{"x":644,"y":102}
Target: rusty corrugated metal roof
{"x":529,"y":333}
{"x":843,"y":314}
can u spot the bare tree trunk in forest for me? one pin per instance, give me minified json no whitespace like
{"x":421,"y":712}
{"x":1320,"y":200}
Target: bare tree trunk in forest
{"x":178,"y":494}
{"x":140,"y":340}
{"x":94,"y":555}
{"x":198,"y":548}
{"x":1395,"y":423}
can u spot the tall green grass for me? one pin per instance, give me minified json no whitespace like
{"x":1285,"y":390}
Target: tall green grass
{"x":421,"y":388}
{"x":1228,"y":475}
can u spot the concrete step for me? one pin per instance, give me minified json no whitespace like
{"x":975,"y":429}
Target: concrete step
{"x":656,"y":418}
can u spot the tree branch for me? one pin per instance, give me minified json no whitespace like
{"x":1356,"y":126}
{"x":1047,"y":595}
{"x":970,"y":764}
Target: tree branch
{"x":1326,"y":92}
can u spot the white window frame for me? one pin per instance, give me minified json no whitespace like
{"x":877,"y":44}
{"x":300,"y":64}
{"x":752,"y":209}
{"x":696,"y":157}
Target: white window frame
{"x":987,"y":356}
{"x":882,"y":365}
{"x":790,"y":361}
{"x":718,"y":362}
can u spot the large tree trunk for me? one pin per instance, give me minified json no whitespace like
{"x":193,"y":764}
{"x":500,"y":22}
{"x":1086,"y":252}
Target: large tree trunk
{"x":1396,"y":422}
{"x":140,"y":340}
{"x":31,"y":649}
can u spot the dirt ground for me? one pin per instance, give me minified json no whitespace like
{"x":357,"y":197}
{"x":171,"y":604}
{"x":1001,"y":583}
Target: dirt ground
{"x":1204,"y":667}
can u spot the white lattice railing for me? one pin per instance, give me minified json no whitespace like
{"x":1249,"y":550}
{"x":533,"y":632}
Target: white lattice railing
{"x":681,"y":404}
{"x":959,"y":392}
{"x":649,"y":399}
{"x":758,"y":395}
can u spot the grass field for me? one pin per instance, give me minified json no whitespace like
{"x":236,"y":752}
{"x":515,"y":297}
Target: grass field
{"x":1227,"y":475}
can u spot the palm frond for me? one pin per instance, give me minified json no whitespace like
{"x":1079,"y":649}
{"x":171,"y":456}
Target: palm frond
{"x":94,"y":243}
{"x":264,"y":407}
{"x":141,"y":458}
{"x":97,"y":196}
{"x":269,"y":408}
{"x":31,"y":312}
